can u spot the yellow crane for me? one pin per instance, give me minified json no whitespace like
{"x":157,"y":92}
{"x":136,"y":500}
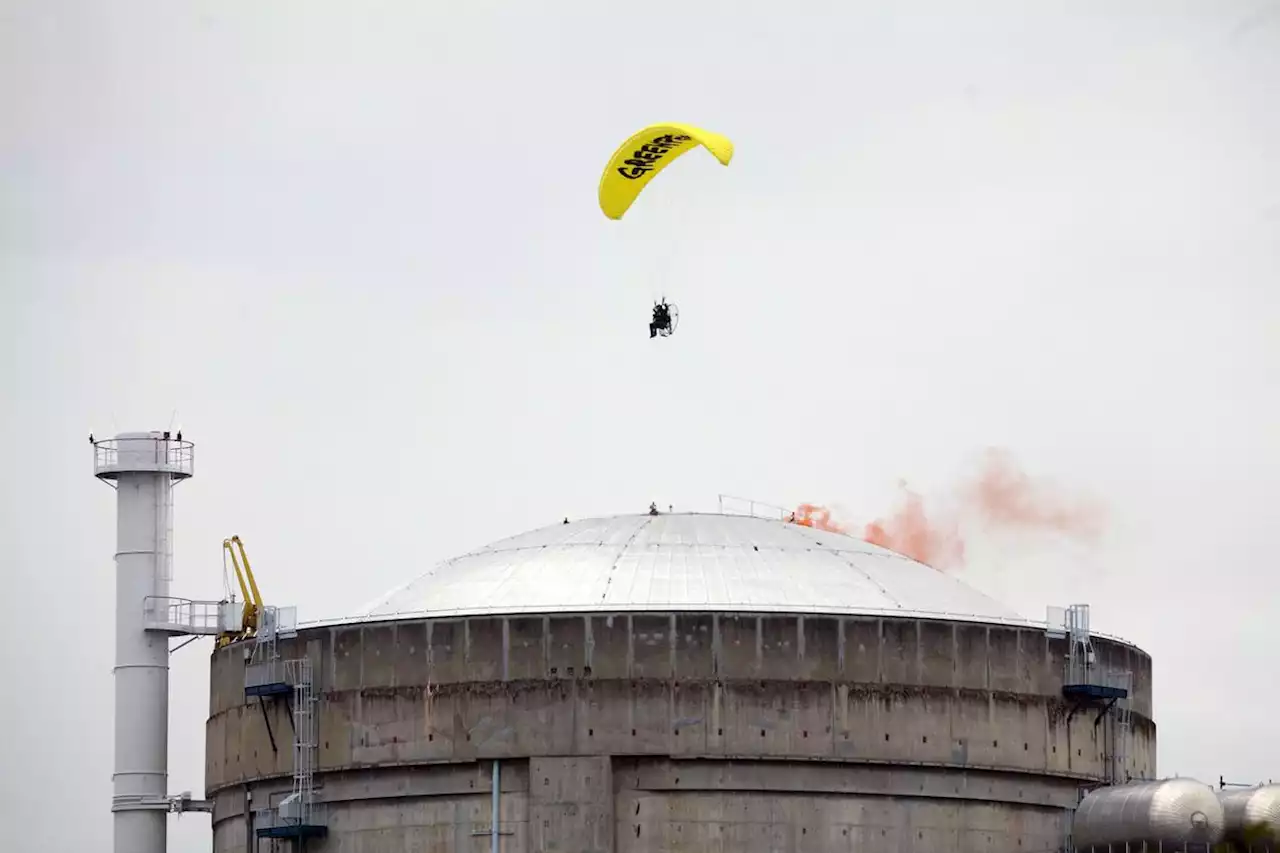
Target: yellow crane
{"x":248,"y":588}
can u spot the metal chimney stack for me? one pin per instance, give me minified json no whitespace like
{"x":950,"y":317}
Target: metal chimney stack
{"x":143,"y":467}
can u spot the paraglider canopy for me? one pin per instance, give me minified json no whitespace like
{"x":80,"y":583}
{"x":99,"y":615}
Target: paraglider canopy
{"x":638,"y":160}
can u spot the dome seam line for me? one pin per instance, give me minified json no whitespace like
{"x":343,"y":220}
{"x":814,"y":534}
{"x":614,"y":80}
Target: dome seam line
{"x":840,"y":555}
{"x":621,"y":552}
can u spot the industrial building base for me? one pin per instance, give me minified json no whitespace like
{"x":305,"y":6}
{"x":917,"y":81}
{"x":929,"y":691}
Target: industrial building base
{"x":624,"y":727}
{"x":871,"y":734}
{"x":649,"y":804}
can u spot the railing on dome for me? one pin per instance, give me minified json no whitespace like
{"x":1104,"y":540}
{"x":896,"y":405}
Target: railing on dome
{"x":732,"y":505}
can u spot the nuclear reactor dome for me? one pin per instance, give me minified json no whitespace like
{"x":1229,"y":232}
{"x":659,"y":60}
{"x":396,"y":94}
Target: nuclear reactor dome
{"x":686,"y":562}
{"x":661,"y":682}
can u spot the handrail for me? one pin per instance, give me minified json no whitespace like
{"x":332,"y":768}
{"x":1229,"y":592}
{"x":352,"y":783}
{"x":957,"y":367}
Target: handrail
{"x":191,"y":615}
{"x":782,"y":514}
{"x":169,"y":454}
{"x":309,"y":813}
{"x":259,"y":673}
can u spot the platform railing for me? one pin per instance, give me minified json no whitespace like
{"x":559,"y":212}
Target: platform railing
{"x":286,"y":621}
{"x":266,"y":672}
{"x":1077,"y":672}
{"x":294,"y":815}
{"x":177,"y":457}
{"x":184,"y":615}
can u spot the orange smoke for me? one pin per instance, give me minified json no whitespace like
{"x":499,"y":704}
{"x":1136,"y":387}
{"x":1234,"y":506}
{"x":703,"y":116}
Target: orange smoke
{"x":1000,"y":497}
{"x":910,"y":532}
{"x":812,"y":515}
{"x":1004,"y":497}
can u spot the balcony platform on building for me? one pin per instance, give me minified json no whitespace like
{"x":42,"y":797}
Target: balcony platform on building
{"x":1094,"y":692}
{"x":292,"y":830}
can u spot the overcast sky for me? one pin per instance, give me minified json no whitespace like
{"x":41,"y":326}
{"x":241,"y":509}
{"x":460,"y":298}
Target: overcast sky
{"x":354,"y":251}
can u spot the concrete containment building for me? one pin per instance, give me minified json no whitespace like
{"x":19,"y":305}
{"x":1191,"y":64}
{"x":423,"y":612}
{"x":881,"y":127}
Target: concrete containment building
{"x":675,"y":681}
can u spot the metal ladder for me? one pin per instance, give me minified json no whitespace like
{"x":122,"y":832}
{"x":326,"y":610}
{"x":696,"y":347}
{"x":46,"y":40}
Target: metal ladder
{"x":164,"y":532}
{"x":305,"y":738}
{"x":1123,"y":723}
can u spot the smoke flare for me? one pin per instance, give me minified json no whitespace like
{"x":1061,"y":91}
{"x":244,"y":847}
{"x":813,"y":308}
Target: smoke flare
{"x":812,"y":515}
{"x":999,"y":498}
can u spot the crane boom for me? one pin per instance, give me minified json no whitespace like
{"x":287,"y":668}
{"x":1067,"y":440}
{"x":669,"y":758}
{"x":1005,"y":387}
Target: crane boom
{"x":248,"y":588}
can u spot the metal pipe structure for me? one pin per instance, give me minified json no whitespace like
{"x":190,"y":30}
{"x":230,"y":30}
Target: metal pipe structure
{"x":493,"y":819}
{"x":143,"y":467}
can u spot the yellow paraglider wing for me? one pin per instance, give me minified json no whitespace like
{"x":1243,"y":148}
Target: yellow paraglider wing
{"x":646,"y":154}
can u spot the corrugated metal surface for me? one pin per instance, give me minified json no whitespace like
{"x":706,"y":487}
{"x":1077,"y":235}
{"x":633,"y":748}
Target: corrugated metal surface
{"x":686,"y":562}
{"x":1169,"y":812}
{"x":1251,"y":807}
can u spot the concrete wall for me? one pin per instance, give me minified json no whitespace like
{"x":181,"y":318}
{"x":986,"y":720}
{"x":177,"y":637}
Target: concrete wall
{"x":636,"y":805}
{"x":763,"y":731}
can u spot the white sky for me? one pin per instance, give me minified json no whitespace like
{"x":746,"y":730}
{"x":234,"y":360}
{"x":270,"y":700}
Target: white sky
{"x":354,"y":251}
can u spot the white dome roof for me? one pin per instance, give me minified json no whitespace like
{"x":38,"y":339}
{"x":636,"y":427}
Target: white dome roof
{"x":726,"y":563}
